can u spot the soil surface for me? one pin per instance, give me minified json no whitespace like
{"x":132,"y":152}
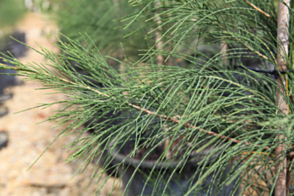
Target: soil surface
{"x":50,"y":176}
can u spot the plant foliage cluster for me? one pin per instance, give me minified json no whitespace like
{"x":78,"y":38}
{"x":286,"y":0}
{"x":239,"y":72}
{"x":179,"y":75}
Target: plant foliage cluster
{"x":183,"y":110}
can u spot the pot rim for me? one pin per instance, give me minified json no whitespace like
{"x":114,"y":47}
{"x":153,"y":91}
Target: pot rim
{"x":157,"y":164}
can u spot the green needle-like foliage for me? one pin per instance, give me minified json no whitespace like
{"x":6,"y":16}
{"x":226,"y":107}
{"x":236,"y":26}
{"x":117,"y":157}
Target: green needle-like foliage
{"x":211,"y":114}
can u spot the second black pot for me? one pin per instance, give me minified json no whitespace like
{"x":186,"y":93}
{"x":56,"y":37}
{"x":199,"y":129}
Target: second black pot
{"x":168,"y":179}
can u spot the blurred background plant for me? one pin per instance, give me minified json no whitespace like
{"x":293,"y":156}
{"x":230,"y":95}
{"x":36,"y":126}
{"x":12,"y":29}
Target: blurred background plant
{"x":100,"y":20}
{"x":11,"y":11}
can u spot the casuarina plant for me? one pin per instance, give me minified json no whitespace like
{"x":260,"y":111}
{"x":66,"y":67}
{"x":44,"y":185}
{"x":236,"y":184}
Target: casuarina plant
{"x":173,"y":127}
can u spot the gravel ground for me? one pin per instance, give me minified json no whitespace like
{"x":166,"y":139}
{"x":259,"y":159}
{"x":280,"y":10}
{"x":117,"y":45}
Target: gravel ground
{"x":50,"y":176}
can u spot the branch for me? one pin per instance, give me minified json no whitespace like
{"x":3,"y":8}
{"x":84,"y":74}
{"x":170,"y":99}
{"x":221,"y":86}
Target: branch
{"x":16,"y":68}
{"x":258,"y":53}
{"x":282,"y":54}
{"x":188,"y":125}
{"x":158,"y":38}
{"x":148,"y":112}
{"x":259,"y":10}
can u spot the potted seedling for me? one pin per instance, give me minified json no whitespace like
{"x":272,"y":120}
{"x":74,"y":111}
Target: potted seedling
{"x":210,"y":128}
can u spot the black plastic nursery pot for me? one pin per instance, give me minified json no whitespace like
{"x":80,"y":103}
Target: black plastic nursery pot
{"x":163,"y":178}
{"x":3,"y":110}
{"x":9,"y":46}
{"x":3,"y":139}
